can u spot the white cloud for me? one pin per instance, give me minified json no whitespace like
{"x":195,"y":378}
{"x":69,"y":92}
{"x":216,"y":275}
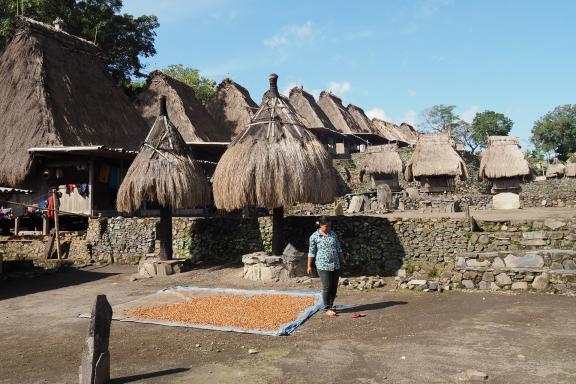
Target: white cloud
{"x":377,"y":113}
{"x":291,"y":35}
{"x":410,"y":118}
{"x":468,"y":115}
{"x":339,"y":88}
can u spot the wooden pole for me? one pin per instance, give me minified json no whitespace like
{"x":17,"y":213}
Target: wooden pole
{"x":16,"y":225}
{"x":278,"y":231}
{"x":165,"y":233}
{"x":56,"y":223}
{"x":91,"y":187}
{"x":45,"y":224}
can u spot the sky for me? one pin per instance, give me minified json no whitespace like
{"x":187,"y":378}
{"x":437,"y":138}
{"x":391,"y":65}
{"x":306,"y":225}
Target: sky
{"x":393,"y":58}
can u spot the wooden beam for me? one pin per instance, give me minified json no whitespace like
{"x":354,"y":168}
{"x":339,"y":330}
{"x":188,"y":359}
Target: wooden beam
{"x":56,"y":222}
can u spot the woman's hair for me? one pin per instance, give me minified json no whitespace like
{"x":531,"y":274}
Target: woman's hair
{"x":324,"y":220}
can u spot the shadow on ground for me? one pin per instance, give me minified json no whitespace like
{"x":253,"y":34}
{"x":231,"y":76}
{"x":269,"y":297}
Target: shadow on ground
{"x":24,"y":286}
{"x":372,"y":307}
{"x":144,"y":376}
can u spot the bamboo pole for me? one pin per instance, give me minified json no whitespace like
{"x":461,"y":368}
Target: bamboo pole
{"x":56,"y":223}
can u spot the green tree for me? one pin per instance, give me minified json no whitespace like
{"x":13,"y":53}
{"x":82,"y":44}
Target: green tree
{"x":490,"y":123}
{"x":556,"y":131}
{"x":203,"y":87}
{"x":440,"y":118}
{"x":123,"y":38}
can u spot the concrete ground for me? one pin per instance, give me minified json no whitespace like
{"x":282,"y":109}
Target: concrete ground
{"x":406,"y":337}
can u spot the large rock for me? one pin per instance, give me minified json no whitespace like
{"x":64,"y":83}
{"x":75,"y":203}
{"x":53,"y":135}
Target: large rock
{"x":95,"y":363}
{"x":554,"y":224}
{"x":384,"y":196}
{"x":541,"y":282}
{"x":520,"y":285}
{"x":356,"y":204}
{"x":412,"y":192}
{"x":526,"y":261}
{"x":503,"y":279}
{"x":506,"y":200}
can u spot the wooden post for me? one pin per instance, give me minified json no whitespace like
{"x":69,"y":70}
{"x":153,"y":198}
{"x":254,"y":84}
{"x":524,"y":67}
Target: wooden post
{"x":91,"y":187}
{"x":277,"y":231}
{"x":56,"y":223}
{"x":16,"y":225}
{"x":45,"y":225}
{"x":165,"y":233}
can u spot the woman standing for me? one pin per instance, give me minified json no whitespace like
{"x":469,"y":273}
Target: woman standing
{"x":326,"y":253}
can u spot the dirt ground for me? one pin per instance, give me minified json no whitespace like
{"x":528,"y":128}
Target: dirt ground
{"x":406,"y":337}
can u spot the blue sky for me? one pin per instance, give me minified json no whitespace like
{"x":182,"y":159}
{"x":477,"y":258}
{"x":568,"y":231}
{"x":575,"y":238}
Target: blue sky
{"x":393,"y":58}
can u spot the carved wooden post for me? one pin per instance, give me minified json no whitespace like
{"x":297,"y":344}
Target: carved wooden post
{"x":95,"y":365}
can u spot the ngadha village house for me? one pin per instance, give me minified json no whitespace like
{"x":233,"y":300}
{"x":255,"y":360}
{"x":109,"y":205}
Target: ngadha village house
{"x":88,"y":175}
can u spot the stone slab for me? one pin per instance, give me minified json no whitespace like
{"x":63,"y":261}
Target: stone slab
{"x":506,"y":200}
{"x":526,"y":261}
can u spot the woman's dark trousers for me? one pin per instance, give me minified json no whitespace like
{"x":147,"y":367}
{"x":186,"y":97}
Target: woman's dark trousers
{"x":329,"y":281}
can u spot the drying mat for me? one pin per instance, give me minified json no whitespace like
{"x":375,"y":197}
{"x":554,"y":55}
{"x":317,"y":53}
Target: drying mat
{"x":183,"y":294}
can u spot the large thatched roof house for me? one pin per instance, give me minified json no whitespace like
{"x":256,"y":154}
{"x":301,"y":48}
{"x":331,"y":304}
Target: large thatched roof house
{"x":231,"y":107}
{"x":435,"y":164}
{"x":556,"y":170}
{"x":389,"y":131}
{"x":315,"y":119}
{"x":384,"y":166}
{"x":409,"y":134}
{"x":274,"y":163}
{"x":186,"y":111}
{"x":55,"y":92}
{"x":504,"y":164}
{"x":338,"y":115}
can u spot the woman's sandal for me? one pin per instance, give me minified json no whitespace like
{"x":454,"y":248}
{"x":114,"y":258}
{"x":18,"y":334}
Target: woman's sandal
{"x":357,"y":315}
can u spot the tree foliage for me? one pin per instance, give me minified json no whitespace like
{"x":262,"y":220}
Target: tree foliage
{"x":463,"y":134}
{"x":123,"y":38}
{"x":203,"y":87}
{"x":556,"y":131}
{"x":490,"y":123}
{"x":440,"y":118}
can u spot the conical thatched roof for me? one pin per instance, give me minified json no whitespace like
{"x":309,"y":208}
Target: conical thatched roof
{"x":387,"y":130}
{"x":274,"y":163}
{"x":185,"y":110}
{"x":383,"y":159}
{"x":434,"y":156}
{"x":361,"y":119}
{"x":503,"y":158}
{"x":163,"y":172}
{"x":231,"y":107}
{"x":570,"y":169}
{"x":556,"y":169}
{"x":55,"y":91}
{"x":409,"y":134}
{"x":305,"y":105}
{"x":338,"y":115}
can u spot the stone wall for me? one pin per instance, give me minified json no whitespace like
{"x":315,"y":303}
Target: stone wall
{"x":549,"y":193}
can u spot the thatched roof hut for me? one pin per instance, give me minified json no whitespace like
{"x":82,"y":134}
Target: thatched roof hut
{"x":435,"y":163}
{"x":361,"y":119}
{"x":163,"y":172}
{"x":275,"y":162}
{"x":409,"y":134}
{"x":305,"y":105}
{"x":383,"y":159}
{"x":231,"y":107}
{"x":555,"y":170}
{"x":55,"y":91}
{"x":389,"y":131}
{"x":503,"y":159}
{"x":571,"y":169}
{"x":186,"y":111}
{"x":338,"y":115}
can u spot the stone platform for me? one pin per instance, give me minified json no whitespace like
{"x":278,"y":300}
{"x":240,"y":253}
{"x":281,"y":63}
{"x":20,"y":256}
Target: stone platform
{"x":260,"y":266}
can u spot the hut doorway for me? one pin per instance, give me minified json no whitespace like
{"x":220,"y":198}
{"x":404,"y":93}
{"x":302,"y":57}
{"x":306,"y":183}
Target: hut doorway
{"x":437,"y":184}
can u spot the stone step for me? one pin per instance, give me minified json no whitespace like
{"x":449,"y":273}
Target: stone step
{"x":553,"y":259}
{"x":494,"y":241}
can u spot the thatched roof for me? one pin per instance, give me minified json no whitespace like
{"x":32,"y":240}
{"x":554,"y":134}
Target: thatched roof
{"x":386,"y":160}
{"x":305,"y":105}
{"x":361,"y":119}
{"x":503,"y":158}
{"x":275,"y":162}
{"x":570,"y":169}
{"x":387,"y":130}
{"x":434,"y":156}
{"x":231,"y":107}
{"x":338,"y":115}
{"x":556,"y":169}
{"x":185,"y":110}
{"x":409,"y":134}
{"x":163,"y":172}
{"x":55,"y":91}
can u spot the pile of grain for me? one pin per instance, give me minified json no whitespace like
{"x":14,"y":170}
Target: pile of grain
{"x":265,"y":312}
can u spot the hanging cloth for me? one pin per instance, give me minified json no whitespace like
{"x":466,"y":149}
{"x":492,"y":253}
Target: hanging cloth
{"x":50,"y":207}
